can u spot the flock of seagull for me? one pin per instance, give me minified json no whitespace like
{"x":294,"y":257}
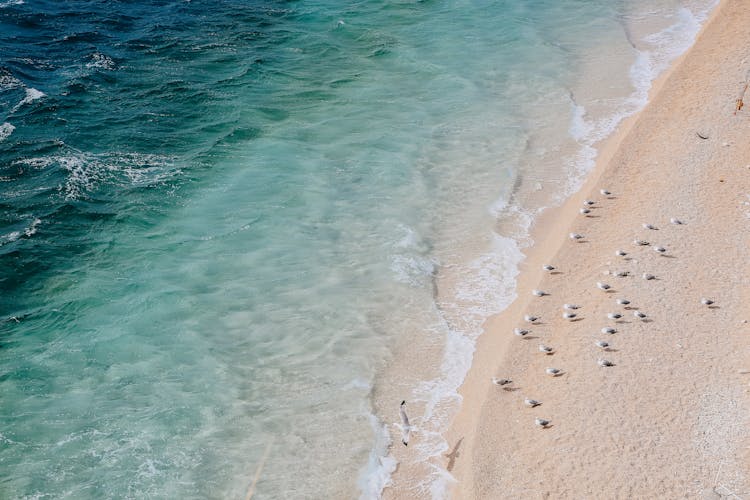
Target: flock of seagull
{"x":569,"y":310}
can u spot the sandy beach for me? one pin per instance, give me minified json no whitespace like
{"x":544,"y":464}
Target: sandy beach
{"x":670,"y":419}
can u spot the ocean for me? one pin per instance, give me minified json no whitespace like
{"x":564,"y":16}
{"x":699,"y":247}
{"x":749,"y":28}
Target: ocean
{"x":234,"y":235}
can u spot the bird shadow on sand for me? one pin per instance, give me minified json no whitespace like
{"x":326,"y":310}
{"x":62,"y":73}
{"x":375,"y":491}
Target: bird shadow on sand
{"x":453,"y":455}
{"x":714,"y":307}
{"x":556,"y":272}
{"x":647,"y":320}
{"x":530,"y":337}
{"x":669,"y":256}
{"x":576,"y":319}
{"x":511,"y":389}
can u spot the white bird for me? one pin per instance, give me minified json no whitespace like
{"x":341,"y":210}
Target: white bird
{"x":639,"y":315}
{"x":571,"y":307}
{"x":521,"y":332}
{"x":620,"y":253}
{"x":622,"y":274}
{"x":545,"y":349}
{"x":623,"y":302}
{"x":609,"y":330}
{"x":650,"y":226}
{"x":614,"y":315}
{"x":553,"y":371}
{"x":501,"y":381}
{"x":405,"y":426}
{"x":602,"y":344}
{"x":588,"y":202}
{"x":641,"y":243}
{"x":538,"y":293}
{"x":576,"y":236}
{"x":585,"y":211}
{"x":675,"y":221}
{"x":569,"y":315}
{"x":531,"y":319}
{"x":605,"y":192}
{"x":706,"y":302}
{"x":531,"y":403}
{"x":604,"y":362}
{"x":647,"y":276}
{"x":548,"y":268}
{"x":661,"y":250}
{"x":541,"y":422}
{"x":602,"y":286}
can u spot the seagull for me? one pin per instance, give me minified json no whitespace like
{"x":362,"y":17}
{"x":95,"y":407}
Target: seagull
{"x":531,"y":319}
{"x":620,"y":253}
{"x":521,"y":332}
{"x":614,"y":315}
{"x":605,"y":192}
{"x":706,"y":302}
{"x":585,"y":211}
{"x":548,"y":268}
{"x":647,"y":276}
{"x":546,"y":350}
{"x":602,"y":286}
{"x":639,"y":315}
{"x":603,"y":344}
{"x":677,"y":222}
{"x":543,"y":423}
{"x":588,"y":202}
{"x":571,"y":307}
{"x":661,"y":250}
{"x":604,"y":362}
{"x":502,"y":381}
{"x":641,"y":243}
{"x":539,"y":293}
{"x":622,"y":274}
{"x":531,"y":403}
{"x":569,"y":315}
{"x":553,"y":371}
{"x":623,"y":302}
{"x":650,"y":226}
{"x":609,"y":330}
{"x":405,"y":426}
{"x":576,"y":236}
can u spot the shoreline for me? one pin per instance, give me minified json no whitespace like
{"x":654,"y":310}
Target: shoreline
{"x":550,"y":240}
{"x":549,"y":236}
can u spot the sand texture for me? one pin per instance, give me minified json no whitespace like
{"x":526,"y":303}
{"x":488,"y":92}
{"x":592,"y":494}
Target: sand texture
{"x":671,"y":419}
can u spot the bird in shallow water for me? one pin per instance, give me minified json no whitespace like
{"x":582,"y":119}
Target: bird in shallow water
{"x":603,"y":344}
{"x":602,"y":286}
{"x":520,"y":332}
{"x":546,"y":349}
{"x":542,"y":422}
{"x":605,"y":362}
{"x":405,"y":426}
{"x":531,"y":403}
{"x":554,"y":372}
{"x":609,"y":330}
{"x":706,"y":302}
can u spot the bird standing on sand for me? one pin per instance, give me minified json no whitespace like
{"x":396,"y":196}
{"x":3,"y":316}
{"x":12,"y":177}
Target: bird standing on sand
{"x":648,"y":276}
{"x":639,"y":315}
{"x":588,"y":202}
{"x":542,"y":422}
{"x":614,"y":315}
{"x":650,"y":226}
{"x":622,"y":274}
{"x":676,"y":222}
{"x":604,"y":362}
{"x":548,"y":268}
{"x":604,"y":192}
{"x":539,"y":293}
{"x":503,"y":382}
{"x":641,"y":243}
{"x":661,"y":250}
{"x":603,"y":344}
{"x":620,"y":253}
{"x":623,"y":302}
{"x":545,"y":349}
{"x":531,"y":403}
{"x":531,"y":319}
{"x":569,"y":315}
{"x":602,"y":286}
{"x":405,"y":426}
{"x":585,"y":211}
{"x":571,"y":307}
{"x":520,"y":332}
{"x":609,"y":330}
{"x":576,"y":236}
{"x":554,"y":372}
{"x":706,"y":302}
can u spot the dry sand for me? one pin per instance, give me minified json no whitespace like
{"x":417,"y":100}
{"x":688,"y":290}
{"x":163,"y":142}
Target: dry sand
{"x":671,"y":419}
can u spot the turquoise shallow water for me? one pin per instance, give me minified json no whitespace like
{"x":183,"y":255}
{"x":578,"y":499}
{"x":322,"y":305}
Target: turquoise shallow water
{"x":217,"y":221}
